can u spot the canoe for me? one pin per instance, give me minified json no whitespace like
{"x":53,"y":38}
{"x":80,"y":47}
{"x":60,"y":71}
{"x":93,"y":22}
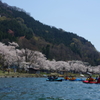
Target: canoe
{"x":60,"y":80}
{"x":92,"y":82}
{"x":77,"y":79}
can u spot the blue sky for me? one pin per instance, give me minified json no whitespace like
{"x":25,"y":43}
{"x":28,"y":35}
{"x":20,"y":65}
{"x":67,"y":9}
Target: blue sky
{"x":81,"y":17}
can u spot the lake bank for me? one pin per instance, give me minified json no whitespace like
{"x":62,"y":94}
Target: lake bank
{"x":17,"y":75}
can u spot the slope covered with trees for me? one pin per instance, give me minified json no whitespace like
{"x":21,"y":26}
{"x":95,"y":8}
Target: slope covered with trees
{"x":17,"y":25}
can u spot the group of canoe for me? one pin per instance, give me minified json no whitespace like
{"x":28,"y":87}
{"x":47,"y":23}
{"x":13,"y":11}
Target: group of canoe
{"x":89,"y":80}
{"x":55,"y":78}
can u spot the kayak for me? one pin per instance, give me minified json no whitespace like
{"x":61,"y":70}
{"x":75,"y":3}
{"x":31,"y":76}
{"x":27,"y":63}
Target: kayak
{"x":77,"y":79}
{"x":92,"y":82}
{"x":60,"y":80}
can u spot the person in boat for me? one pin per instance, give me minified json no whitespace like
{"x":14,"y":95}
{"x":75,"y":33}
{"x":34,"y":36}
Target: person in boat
{"x":96,"y":78}
{"x":50,"y":77}
{"x":90,"y":79}
{"x":55,"y":77}
{"x":66,"y":78}
{"x":72,"y":78}
{"x":87,"y":79}
{"x":98,"y":81}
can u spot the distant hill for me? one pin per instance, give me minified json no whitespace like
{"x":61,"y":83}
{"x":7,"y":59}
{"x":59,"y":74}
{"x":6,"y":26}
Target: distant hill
{"x":17,"y":25}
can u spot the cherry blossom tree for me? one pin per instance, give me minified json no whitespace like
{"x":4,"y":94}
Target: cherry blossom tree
{"x":10,"y":55}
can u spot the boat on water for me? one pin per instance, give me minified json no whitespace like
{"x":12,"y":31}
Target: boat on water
{"x":77,"y":79}
{"x":53,"y":78}
{"x":91,"y":82}
{"x":60,"y":80}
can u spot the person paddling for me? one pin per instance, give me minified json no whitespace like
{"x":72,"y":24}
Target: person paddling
{"x":90,"y":79}
{"x":98,"y":81}
{"x":66,"y":78}
{"x":96,"y":78}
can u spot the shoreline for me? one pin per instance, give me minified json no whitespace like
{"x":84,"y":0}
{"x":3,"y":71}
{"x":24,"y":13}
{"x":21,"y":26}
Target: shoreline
{"x":30,"y":75}
{"x":19,"y":75}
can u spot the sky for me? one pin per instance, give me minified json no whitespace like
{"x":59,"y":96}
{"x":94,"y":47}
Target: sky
{"x":81,"y":17}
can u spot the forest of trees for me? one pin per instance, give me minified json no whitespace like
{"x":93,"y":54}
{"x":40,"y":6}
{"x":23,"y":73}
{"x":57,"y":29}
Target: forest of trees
{"x":17,"y":25}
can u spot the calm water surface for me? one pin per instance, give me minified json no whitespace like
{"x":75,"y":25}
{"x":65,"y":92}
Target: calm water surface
{"x":40,"y":89}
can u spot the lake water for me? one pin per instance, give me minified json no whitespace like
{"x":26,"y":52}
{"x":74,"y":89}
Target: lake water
{"x":40,"y":89}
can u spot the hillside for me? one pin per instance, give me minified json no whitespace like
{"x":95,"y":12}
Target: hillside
{"x":17,"y":25}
